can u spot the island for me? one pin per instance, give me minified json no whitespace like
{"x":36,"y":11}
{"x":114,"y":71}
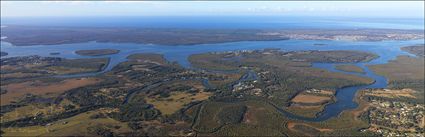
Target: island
{"x":417,"y":50}
{"x":349,"y":68}
{"x":97,"y":52}
{"x":54,"y":53}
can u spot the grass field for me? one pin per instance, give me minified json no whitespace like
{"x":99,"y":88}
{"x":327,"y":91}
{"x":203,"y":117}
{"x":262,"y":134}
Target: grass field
{"x":403,"y":68}
{"x":75,"y":126}
{"x":31,"y":110}
{"x":310,"y":102}
{"x":71,"y":66}
{"x":18,"y":90}
{"x":176,"y":101}
{"x":306,"y":111}
{"x":404,"y":73}
{"x":392,"y":93}
{"x":302,"y":98}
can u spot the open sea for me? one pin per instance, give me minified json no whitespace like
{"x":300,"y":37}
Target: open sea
{"x":222,"y":22}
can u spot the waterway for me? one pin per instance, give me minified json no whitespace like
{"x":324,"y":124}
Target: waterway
{"x":387,"y":50}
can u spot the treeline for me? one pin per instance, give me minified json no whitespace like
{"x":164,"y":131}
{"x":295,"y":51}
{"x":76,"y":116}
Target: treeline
{"x":399,"y":99}
{"x":40,"y":120}
{"x":135,"y":112}
{"x":85,"y":96}
{"x":232,"y":114}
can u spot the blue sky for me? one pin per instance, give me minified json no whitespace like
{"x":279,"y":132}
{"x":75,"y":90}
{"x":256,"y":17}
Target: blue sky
{"x":210,"y":8}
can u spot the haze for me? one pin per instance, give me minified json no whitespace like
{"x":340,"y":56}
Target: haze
{"x":204,"y":8}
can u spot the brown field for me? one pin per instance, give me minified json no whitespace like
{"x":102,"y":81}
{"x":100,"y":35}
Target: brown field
{"x":326,"y":92}
{"x":391,"y":93}
{"x":74,"y":126}
{"x":176,"y":101}
{"x":19,"y":75}
{"x":292,"y":124}
{"x":7,"y":67}
{"x":69,"y":70}
{"x":306,"y":111}
{"x":301,"y":98}
{"x":321,"y":92}
{"x":34,"y":109}
{"x":17,"y":90}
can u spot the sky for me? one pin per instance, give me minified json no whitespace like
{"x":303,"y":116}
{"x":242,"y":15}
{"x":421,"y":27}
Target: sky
{"x":411,"y":9}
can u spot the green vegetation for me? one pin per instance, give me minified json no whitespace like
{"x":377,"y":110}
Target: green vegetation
{"x":404,"y":72}
{"x":87,"y":65}
{"x":339,"y":56}
{"x":149,"y":96}
{"x":68,"y":127}
{"x":135,"y":112}
{"x":403,"y":68}
{"x":282,"y":75}
{"x":260,"y":119}
{"x":32,"y":75}
{"x":338,"y":126}
{"x":306,"y":129}
{"x":213,"y":115}
{"x":305,"y":111}
{"x":393,"y":112}
{"x":148,"y":57}
{"x":31,"y":67}
{"x":310,"y":102}
{"x":418,"y":50}
{"x":97,"y":52}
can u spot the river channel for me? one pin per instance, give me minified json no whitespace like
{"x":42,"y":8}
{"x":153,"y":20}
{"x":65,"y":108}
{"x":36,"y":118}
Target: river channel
{"x":387,"y":50}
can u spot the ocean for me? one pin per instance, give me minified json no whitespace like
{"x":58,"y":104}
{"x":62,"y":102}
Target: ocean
{"x":221,"y":22}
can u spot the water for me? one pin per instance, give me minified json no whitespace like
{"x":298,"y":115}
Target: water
{"x":387,"y":50}
{"x":223,"y":22}
{"x":345,"y":96}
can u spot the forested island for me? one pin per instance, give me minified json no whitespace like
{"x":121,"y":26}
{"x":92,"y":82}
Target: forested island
{"x":97,"y":52}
